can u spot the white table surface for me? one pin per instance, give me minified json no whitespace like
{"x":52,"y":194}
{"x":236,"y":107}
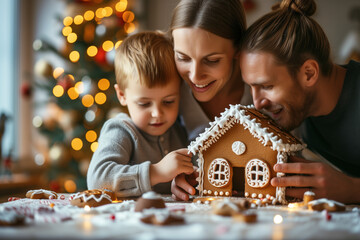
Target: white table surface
{"x":119,"y":221}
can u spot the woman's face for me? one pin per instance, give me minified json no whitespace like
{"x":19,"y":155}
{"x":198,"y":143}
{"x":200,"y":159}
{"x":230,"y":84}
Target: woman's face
{"x":204,"y":60}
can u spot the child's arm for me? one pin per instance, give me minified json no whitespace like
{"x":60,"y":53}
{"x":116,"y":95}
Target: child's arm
{"x":110,"y":165}
{"x":170,"y":166}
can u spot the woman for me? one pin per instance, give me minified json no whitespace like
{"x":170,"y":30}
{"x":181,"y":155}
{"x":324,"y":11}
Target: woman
{"x":207,"y":35}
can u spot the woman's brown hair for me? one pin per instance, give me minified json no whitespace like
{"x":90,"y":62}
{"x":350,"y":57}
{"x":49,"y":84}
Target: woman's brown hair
{"x":291,"y":35}
{"x":225,"y":18}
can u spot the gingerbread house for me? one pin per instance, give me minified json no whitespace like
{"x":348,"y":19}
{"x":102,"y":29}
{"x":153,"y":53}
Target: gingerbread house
{"x":236,"y":155}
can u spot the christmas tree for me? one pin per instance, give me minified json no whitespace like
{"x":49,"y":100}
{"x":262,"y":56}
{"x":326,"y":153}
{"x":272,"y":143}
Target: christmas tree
{"x":80,"y":97}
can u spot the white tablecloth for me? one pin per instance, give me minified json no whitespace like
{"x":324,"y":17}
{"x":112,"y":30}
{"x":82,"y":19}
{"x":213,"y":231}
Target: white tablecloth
{"x":57,"y":219}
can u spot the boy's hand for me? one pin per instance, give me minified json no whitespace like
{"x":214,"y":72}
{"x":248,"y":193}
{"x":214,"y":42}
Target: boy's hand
{"x":173,"y":164}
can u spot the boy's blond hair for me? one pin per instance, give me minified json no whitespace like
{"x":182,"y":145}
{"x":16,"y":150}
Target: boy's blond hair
{"x":147,"y":57}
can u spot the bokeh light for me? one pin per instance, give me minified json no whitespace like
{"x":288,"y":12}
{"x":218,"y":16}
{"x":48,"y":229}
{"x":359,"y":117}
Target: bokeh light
{"x":87,"y":100}
{"x":74,"y":56}
{"x":77,"y":144}
{"x":103,"y":84}
{"x":91,"y":136}
{"x":121,"y":6}
{"x":94,"y":146}
{"x":108,"y":46}
{"x":100,"y":98}
{"x":92,"y":51}
{"x":58,"y":91}
{"x":89,"y":15}
{"x":57,"y":72}
{"x":67,"y":21}
{"x":78,"y":19}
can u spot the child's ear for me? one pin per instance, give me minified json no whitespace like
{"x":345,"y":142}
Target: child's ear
{"x":309,"y":72}
{"x":120,"y":95}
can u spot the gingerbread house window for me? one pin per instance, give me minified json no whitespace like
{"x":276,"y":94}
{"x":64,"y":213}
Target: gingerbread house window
{"x":257,"y":173}
{"x":219,"y":172}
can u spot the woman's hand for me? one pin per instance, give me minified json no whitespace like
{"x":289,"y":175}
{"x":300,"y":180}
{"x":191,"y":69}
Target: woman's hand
{"x":321,"y":178}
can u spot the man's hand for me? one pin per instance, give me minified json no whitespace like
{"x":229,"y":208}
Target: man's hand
{"x":183,"y":185}
{"x":321,"y":178}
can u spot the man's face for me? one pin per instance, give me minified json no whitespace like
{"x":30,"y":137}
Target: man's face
{"x":274,"y":90}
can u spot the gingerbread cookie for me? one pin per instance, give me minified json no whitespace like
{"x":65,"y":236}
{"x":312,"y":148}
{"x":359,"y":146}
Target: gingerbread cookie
{"x":93,"y":198}
{"x":41,"y":194}
{"x":228,"y":207}
{"x":162,"y":219}
{"x":149,"y":200}
{"x":326,"y":204}
{"x":245,"y":217}
{"x":9,"y":218}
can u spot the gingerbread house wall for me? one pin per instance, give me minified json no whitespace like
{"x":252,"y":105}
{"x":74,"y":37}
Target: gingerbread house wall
{"x":254,"y":150}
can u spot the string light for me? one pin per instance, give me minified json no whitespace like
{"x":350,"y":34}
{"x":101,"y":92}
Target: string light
{"x":74,"y":56}
{"x":78,"y":19}
{"x":58,"y":91}
{"x":117,"y":44}
{"x":72,"y":93}
{"x":108,"y":11}
{"x":58,"y":72}
{"x":79,"y":87}
{"x":128,"y":16}
{"x":121,"y":6}
{"x":91,"y":136}
{"x":94,"y":146}
{"x":66,"y":31}
{"x":129,"y":27}
{"x":100,"y":98}
{"x":89,"y":15}
{"x":67,"y":21}
{"x":72,"y":37}
{"x":108,"y":46}
{"x":99,"y":13}
{"x":77,"y":144}
{"x":103,"y":84}
{"x":92,"y":51}
{"x":70,"y":186}
{"x":87,"y":100}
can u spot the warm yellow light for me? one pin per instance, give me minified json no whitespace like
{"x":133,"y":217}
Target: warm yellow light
{"x":128,"y":16}
{"x":66,"y":31}
{"x":129,"y":27}
{"x":121,"y":6}
{"x":278,"y":219}
{"x":57,"y":72}
{"x":91,"y":136}
{"x":71,"y":77}
{"x":89,"y":15}
{"x":103,"y":84}
{"x":108,"y":46}
{"x":74,"y":56}
{"x":118,"y":43}
{"x":73,"y":94}
{"x":76,"y":144}
{"x":99,"y":13}
{"x":58,"y":91}
{"x":79,"y":87}
{"x":94,"y":146}
{"x":100,"y":98}
{"x":108,"y":11}
{"x":92,"y":51}
{"x":87,"y":100}
{"x":78,"y":19}
{"x":70,"y":186}
{"x":67,"y":21}
{"x":72,"y":37}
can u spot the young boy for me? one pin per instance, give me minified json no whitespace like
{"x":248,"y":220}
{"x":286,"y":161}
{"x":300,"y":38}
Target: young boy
{"x":137,"y":153}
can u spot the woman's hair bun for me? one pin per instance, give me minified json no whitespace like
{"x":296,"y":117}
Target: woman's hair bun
{"x":304,"y":7}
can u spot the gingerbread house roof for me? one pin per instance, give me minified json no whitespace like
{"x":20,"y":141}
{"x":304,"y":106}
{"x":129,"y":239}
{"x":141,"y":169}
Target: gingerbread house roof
{"x":258,"y":124}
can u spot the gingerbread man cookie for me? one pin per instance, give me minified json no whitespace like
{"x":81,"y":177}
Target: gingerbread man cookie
{"x":326,"y":204}
{"x":41,"y":194}
{"x":93,"y":198}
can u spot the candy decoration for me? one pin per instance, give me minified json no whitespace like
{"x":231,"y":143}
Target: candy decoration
{"x":112,"y":217}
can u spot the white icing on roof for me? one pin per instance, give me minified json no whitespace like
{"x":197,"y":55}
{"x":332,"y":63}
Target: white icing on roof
{"x":236,"y":114}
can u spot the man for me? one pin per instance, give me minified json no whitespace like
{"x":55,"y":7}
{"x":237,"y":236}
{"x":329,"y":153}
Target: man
{"x":286,"y":61}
